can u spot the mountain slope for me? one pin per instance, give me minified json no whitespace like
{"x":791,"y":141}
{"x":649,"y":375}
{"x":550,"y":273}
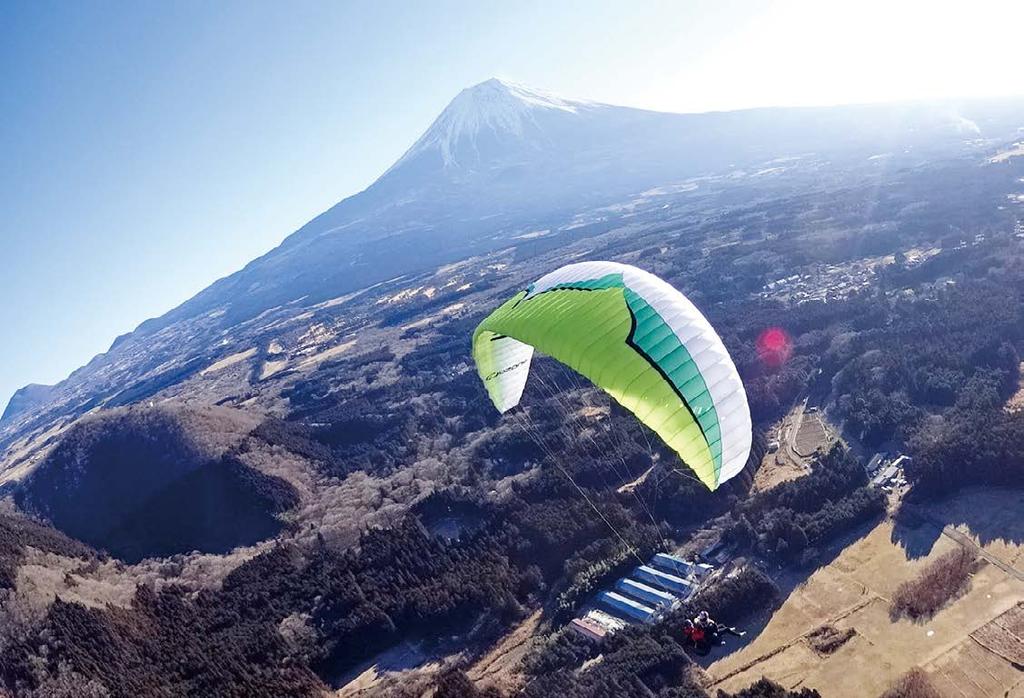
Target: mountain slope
{"x":502,"y":157}
{"x":502,"y":160}
{"x":27,"y":398}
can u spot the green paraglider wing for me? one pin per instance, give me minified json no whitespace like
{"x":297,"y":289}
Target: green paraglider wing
{"x":639,"y":340}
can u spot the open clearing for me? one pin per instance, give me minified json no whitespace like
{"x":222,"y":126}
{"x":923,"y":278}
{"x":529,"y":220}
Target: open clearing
{"x":326,"y":354}
{"x":228,"y":361}
{"x":1016,"y":151}
{"x":633,"y":484}
{"x":813,"y":435}
{"x":365,"y":679}
{"x":775,"y":469}
{"x":972,"y":648}
{"x":852,"y":592}
{"x":500,"y":667}
{"x":800,"y":434}
{"x":1016,"y":401}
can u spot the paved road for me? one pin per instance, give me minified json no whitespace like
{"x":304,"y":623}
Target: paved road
{"x":794,"y":428}
{"x":969,"y":543}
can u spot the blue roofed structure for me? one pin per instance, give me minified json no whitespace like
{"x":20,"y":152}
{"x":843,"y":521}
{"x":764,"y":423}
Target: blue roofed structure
{"x":670,"y":563}
{"x":646,"y":594}
{"x":663,"y":580}
{"x":626,"y":606}
{"x":680,"y":567}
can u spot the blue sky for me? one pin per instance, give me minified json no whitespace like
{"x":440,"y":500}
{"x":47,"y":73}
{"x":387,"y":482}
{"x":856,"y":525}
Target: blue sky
{"x":148,"y":148}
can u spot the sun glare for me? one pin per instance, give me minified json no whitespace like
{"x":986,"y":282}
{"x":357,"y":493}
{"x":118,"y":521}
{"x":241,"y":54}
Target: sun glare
{"x":821,"y":53}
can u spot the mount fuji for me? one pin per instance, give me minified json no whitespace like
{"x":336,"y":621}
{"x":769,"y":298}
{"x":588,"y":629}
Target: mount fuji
{"x":500,"y":161}
{"x":503,"y":156}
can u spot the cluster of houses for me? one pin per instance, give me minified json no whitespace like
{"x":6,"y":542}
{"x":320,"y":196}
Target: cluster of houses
{"x":886,"y":473}
{"x":643,"y":595}
{"x":823,"y":282}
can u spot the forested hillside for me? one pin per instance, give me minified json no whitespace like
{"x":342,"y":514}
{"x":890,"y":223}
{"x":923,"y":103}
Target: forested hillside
{"x":331,"y":481}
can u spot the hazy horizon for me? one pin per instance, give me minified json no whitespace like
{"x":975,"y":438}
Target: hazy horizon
{"x":152,"y":150}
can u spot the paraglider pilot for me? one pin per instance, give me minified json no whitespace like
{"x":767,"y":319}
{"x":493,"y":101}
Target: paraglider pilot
{"x":703,"y":632}
{"x":695,"y":637}
{"x":714,"y":630}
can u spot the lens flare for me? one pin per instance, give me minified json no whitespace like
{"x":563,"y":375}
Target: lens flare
{"x":774,"y":346}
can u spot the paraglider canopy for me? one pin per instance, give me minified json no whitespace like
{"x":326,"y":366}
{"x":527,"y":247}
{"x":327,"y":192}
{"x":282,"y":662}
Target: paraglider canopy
{"x":638,"y":339}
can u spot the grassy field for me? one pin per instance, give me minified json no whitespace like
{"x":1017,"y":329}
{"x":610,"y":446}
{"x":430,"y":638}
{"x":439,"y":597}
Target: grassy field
{"x":971,"y":648}
{"x":799,"y":434}
{"x":853,"y":592}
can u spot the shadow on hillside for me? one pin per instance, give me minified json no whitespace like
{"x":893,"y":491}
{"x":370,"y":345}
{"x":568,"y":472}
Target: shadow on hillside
{"x":753,"y":625}
{"x":365,"y":674}
{"x":149,"y":482}
{"x":215,"y":509}
{"x":987,"y":514}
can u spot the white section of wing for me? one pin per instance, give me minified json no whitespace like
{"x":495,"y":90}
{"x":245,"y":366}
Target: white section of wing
{"x":514,"y":357}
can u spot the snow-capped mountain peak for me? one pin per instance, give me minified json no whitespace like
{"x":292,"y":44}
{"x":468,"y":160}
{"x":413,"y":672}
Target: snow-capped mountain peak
{"x":495,"y":106}
{"x":497,"y":97}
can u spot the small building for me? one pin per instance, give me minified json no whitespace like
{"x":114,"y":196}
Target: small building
{"x":702,"y":571}
{"x":723,"y":554}
{"x":885,"y":476}
{"x":643,"y":593}
{"x":716,"y":551}
{"x":663,"y":580}
{"x":607,"y":621}
{"x":588,"y":629}
{"x":626,"y":606}
{"x":680,"y":567}
{"x":875,"y":463}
